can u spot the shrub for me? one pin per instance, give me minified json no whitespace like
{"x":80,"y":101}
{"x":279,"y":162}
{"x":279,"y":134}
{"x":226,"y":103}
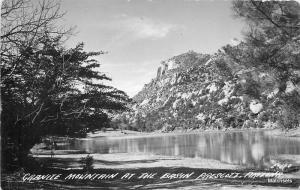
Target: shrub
{"x":87,"y":163}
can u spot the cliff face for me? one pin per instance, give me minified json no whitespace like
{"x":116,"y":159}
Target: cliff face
{"x":194,"y":90}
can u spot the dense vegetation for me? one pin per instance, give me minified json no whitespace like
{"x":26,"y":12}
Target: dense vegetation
{"x":272,"y":45}
{"x":46,"y":88}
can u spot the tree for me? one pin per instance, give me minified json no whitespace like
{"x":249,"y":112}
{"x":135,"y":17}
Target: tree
{"x":23,"y":23}
{"x":55,"y":91}
{"x":272,"y":45}
{"x":48,"y":89}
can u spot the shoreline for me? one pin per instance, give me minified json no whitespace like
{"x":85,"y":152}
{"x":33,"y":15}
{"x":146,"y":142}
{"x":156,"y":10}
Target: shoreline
{"x":129,"y":160}
{"x":294,"y":133}
{"x":70,"y":160}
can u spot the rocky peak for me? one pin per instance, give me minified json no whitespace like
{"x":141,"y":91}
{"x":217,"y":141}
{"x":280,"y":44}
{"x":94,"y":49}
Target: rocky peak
{"x":179,"y":61}
{"x":192,"y":91}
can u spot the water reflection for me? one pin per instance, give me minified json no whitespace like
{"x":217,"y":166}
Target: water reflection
{"x":243,"y":148}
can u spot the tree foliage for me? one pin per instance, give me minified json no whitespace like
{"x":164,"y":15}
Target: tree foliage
{"x":271,"y":44}
{"x":48,"y":89}
{"x":23,"y":23}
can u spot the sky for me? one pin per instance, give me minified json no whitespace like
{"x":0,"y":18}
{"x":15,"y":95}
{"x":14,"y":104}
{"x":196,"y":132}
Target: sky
{"x":138,"y":34}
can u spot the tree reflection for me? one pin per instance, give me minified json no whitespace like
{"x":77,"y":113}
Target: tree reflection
{"x":252,"y":149}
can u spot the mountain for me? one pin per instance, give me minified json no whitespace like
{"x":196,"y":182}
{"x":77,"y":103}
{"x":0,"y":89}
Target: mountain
{"x":201,"y":91}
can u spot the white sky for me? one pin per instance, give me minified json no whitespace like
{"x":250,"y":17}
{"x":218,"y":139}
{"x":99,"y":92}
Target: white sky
{"x":139,"y":34}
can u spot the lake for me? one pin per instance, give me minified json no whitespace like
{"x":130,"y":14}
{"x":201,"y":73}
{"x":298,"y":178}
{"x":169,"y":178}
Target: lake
{"x":252,"y":149}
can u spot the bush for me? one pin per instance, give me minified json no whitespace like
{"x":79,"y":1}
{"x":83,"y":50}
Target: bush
{"x":289,"y":119}
{"x":87,"y":163}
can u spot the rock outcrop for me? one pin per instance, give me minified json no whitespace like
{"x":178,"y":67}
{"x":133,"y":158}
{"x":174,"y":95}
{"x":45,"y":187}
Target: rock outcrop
{"x":195,"y":90}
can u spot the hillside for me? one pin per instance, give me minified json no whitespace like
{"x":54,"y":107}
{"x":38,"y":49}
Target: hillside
{"x":200,"y":91}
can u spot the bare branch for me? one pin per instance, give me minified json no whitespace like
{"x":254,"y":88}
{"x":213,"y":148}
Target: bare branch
{"x":24,"y":23}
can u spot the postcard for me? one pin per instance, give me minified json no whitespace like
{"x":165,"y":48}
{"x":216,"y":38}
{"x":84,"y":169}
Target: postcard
{"x":150,"y":94}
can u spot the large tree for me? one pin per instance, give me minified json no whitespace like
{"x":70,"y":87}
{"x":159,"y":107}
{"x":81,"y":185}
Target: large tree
{"x":272,"y":45}
{"x":47,"y":89}
{"x":23,"y":23}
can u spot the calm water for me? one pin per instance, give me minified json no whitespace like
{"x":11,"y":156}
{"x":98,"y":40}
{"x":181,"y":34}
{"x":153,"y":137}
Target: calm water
{"x":252,"y":149}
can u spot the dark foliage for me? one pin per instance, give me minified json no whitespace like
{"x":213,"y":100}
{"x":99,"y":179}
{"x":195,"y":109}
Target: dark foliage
{"x":47,"y":89}
{"x":272,"y":45}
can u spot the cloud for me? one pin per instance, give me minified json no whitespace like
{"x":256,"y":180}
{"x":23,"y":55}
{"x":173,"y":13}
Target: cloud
{"x":138,"y":27}
{"x":143,"y":28}
{"x":125,"y":29}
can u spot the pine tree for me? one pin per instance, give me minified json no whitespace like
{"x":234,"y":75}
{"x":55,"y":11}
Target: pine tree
{"x":272,"y":45}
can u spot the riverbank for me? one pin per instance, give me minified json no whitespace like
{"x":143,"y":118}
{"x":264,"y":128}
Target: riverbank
{"x":289,"y":164}
{"x":295,"y":133}
{"x":66,"y":158}
{"x":130,"y":134}
{"x":71,"y":160}
{"x":129,"y":160}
